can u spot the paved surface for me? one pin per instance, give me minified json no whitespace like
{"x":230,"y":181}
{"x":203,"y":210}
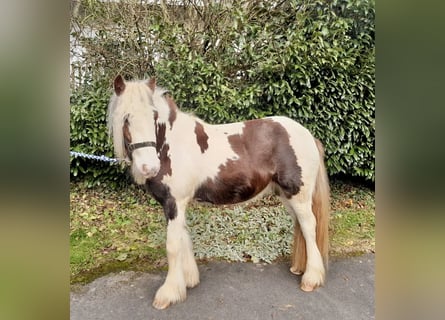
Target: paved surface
{"x":235,"y":291}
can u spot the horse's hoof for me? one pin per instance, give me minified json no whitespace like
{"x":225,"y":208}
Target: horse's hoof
{"x":160,"y":305}
{"x":191,"y":281}
{"x":169,"y":294}
{"x":312,"y":279}
{"x":307,"y":288}
{"x":296,"y":271}
{"x":191,"y":276}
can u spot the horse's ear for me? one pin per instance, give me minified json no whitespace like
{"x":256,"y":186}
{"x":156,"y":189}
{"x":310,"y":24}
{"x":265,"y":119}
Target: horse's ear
{"x":119,"y":85}
{"x":152,"y":83}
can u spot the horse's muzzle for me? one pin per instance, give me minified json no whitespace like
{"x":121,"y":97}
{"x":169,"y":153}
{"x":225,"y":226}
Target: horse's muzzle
{"x":149,"y":172}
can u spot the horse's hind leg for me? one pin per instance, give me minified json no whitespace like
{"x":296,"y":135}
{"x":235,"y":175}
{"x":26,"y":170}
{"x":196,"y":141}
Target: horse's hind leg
{"x":190,"y":268}
{"x":308,"y":261}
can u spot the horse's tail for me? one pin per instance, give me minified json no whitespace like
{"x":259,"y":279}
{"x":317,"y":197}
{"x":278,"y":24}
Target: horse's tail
{"x":320,"y":208}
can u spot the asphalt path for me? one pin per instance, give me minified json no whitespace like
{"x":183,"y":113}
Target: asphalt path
{"x":234,"y":291}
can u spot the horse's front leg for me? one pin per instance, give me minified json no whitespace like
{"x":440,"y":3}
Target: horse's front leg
{"x":174,"y":288}
{"x":182,"y":268}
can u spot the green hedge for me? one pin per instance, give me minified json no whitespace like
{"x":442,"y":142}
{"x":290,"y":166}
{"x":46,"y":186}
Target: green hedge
{"x":312,"y":61}
{"x":88,"y":134}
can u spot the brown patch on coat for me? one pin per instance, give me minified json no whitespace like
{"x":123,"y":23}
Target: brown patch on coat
{"x":159,"y":190}
{"x":265,"y":155}
{"x":161,"y":193}
{"x":201,"y":137}
{"x":162,"y":149}
{"x":173,"y":110}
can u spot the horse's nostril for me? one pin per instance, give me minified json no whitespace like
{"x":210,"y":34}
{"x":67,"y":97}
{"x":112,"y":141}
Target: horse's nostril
{"x":147,"y":171}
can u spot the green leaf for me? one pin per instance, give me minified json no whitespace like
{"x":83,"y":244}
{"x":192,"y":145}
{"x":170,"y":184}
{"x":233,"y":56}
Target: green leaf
{"x":122,"y":256}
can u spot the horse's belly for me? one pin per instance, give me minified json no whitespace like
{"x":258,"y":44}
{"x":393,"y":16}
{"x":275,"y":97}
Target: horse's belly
{"x":236,"y":190}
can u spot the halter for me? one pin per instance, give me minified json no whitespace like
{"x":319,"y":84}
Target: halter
{"x":133,"y":146}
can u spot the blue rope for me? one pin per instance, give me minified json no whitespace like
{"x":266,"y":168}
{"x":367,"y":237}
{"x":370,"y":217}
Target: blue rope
{"x":93,"y":157}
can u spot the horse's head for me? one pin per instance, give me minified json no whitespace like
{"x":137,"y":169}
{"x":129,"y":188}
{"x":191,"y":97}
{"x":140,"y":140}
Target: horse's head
{"x":132,"y":123}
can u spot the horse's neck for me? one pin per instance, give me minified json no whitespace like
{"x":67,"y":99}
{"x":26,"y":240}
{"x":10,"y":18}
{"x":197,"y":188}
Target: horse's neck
{"x":184,"y":119}
{"x":171,"y":116}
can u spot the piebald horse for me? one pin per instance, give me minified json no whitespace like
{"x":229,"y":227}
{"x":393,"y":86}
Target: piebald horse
{"x":179,"y":158}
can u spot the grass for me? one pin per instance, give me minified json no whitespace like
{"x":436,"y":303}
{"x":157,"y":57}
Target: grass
{"x":125,"y":230}
{"x":352,"y":225}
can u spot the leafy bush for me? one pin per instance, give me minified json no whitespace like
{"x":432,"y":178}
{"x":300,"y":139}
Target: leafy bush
{"x":88,"y":134}
{"x":312,"y":61}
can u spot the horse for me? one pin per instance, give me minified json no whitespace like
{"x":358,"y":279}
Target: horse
{"x":178,"y":158}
